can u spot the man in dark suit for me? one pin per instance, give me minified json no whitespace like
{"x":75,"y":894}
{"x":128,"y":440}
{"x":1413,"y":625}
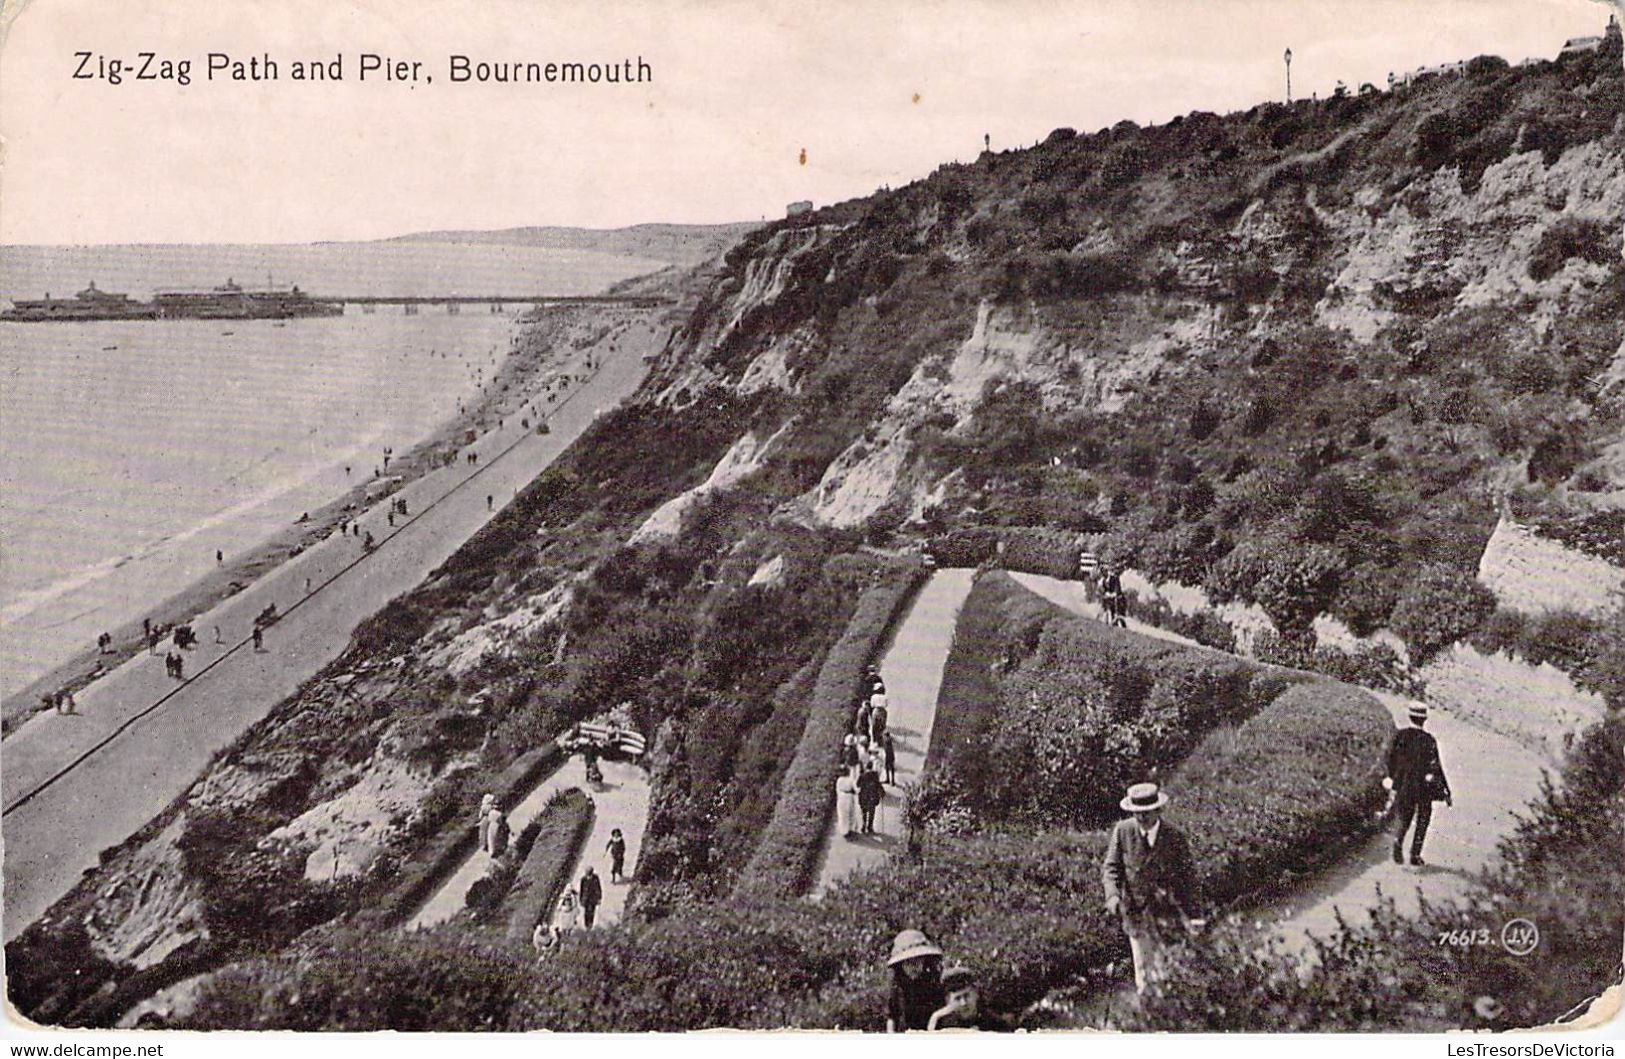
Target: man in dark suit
{"x":1148,"y":879}
{"x":592,"y":895}
{"x":1416,"y":778}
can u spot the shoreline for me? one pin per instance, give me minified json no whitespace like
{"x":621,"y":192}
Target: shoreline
{"x":518,"y":373}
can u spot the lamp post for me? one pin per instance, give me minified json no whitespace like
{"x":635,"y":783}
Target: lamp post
{"x":1288,"y":58}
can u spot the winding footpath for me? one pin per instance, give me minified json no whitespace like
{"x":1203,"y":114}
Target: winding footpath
{"x":621,"y":801}
{"x":1492,"y":777}
{"x":75,"y":785}
{"x":912,"y":669}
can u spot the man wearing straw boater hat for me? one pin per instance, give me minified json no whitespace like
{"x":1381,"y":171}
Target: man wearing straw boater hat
{"x":1148,"y":878}
{"x":1416,"y":778}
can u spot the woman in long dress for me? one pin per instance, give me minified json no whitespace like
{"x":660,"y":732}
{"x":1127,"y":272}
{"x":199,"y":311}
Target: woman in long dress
{"x":846,"y":804}
{"x":569,"y":912}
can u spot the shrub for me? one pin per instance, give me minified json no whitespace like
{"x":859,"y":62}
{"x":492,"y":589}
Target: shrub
{"x":998,"y":626}
{"x":1365,"y":598}
{"x":1571,"y":237}
{"x":1440,"y":606}
{"x":1297,"y":585}
{"x":355,"y":980}
{"x":1235,"y":576}
{"x":788,"y":847}
{"x":1079,"y":714}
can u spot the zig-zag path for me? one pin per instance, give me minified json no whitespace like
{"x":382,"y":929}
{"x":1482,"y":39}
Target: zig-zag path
{"x":1492,"y":778}
{"x":912,"y":669}
{"x":621,"y":801}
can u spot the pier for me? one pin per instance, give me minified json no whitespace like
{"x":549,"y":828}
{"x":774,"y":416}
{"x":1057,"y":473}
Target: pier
{"x":634,"y":301}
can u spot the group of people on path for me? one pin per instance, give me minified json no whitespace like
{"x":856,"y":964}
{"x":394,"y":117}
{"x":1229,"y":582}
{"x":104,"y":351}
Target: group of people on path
{"x":1107,"y":581}
{"x":866,"y":750}
{"x":578,"y":905}
{"x":61,"y":701}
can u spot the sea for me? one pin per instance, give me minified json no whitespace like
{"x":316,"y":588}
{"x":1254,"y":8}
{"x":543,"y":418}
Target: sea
{"x":132,"y":451}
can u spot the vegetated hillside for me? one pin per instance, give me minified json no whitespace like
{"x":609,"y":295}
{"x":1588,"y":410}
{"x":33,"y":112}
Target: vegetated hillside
{"x":677,"y":244}
{"x":1330,"y":334}
{"x":1334,"y":333}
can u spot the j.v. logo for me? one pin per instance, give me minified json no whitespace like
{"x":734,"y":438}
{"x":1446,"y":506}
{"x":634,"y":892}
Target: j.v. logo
{"x":1520,"y":936}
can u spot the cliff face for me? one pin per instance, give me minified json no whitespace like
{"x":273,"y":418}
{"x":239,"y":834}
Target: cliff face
{"x":1414,"y":295}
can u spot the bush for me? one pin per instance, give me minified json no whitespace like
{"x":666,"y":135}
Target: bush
{"x":998,"y":626}
{"x":357,"y":980}
{"x":1439,"y":606}
{"x":1571,"y":237}
{"x":1025,"y":549}
{"x":1297,"y":585}
{"x":785,"y":854}
{"x":1063,"y":712}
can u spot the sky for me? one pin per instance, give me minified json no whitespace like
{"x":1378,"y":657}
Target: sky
{"x":873,"y":93}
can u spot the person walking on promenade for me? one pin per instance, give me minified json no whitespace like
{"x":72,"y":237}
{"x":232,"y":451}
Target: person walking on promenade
{"x":916,"y":984}
{"x":1416,"y":778}
{"x":65,"y":703}
{"x":846,"y":804}
{"x":180,"y":666}
{"x":861,"y":727}
{"x":259,"y":638}
{"x":50,"y":702}
{"x":490,"y":502}
{"x":889,"y":749}
{"x":592,"y":895}
{"x":617,"y":856}
{"x":869,"y":795}
{"x":1111,"y":595}
{"x":1148,"y":879}
{"x":849,"y":753}
{"x":154,"y":638}
{"x":877,"y":721}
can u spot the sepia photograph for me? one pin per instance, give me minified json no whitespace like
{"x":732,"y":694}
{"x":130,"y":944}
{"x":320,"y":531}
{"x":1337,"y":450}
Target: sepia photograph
{"x":1029,"y":517}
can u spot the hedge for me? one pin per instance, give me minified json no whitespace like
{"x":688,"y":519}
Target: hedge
{"x":439,"y":857}
{"x":785,"y":855}
{"x":999,"y":618}
{"x":1044,"y":715}
{"x":1026,"y":549}
{"x":563,"y":826}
